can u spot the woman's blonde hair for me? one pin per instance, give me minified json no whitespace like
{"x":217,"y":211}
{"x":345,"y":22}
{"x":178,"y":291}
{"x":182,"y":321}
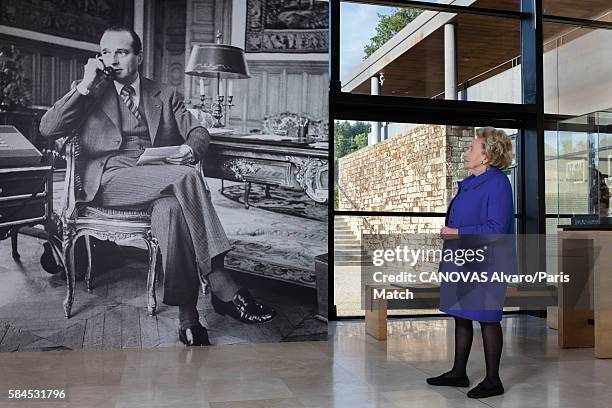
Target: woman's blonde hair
{"x":497,"y":146}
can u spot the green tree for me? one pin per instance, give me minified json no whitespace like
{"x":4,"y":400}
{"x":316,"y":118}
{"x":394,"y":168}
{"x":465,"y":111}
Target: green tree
{"x":361,"y":141}
{"x":342,"y":145}
{"x":336,"y":198}
{"x":388,"y":26}
{"x":349,"y":137}
{"x":359,"y":128}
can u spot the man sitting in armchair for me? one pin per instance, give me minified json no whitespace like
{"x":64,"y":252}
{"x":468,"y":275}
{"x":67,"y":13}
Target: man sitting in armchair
{"x":116,"y":120}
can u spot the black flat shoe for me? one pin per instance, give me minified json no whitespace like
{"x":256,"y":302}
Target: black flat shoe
{"x":244,"y":308}
{"x":485,"y":390}
{"x":445,"y":380}
{"x":199,"y":336}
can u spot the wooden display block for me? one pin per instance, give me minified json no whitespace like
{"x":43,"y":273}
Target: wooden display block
{"x":585,"y":304}
{"x":375,"y":315}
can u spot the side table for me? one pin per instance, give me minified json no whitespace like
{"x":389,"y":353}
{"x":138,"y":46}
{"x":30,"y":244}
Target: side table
{"x":25,"y":199}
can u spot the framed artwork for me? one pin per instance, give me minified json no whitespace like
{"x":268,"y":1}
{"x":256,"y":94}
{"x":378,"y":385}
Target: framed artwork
{"x":82,"y":20}
{"x":294,"y":26}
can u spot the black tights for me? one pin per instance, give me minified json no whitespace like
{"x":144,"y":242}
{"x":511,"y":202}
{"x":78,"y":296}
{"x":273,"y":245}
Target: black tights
{"x":492,"y":341}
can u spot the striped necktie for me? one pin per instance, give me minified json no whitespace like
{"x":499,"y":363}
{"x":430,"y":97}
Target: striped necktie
{"x":126,"y":94}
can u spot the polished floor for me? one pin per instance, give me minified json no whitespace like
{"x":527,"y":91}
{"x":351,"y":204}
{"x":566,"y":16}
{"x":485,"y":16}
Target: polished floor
{"x":350,"y":370}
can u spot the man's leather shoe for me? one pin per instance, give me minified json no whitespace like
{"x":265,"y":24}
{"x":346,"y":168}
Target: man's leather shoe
{"x":199,"y":336}
{"x":243,"y":308}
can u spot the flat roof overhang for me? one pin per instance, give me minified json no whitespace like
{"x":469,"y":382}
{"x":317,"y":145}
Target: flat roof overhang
{"x":413,"y":61}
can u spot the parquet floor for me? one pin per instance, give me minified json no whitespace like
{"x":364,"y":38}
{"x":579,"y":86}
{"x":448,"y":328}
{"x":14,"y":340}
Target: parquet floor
{"x":114,"y":315}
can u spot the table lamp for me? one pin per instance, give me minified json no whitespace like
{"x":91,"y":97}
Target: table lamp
{"x":217,"y":61}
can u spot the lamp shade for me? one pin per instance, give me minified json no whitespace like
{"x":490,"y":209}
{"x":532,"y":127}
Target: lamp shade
{"x":208,"y":60}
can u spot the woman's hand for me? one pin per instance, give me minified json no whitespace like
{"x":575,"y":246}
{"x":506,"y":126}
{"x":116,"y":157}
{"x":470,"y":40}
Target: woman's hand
{"x":449,"y":233}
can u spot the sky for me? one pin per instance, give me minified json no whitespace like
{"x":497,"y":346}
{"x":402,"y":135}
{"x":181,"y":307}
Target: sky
{"x":357,"y":26}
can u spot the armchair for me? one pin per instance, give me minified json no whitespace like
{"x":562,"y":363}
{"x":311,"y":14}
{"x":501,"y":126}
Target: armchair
{"x":103,"y":223}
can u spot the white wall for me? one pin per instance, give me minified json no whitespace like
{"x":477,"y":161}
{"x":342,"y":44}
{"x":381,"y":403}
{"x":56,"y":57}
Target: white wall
{"x":583,"y":74}
{"x":577,"y":78}
{"x":504,"y":87}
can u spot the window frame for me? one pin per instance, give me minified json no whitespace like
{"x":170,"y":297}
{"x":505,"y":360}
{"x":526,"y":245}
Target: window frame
{"x":528,"y":117}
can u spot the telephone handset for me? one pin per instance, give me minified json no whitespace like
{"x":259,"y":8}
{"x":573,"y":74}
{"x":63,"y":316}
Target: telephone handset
{"x":108,"y":73}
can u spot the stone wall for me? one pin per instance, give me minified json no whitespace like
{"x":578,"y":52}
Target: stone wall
{"x":458,"y":139}
{"x":415,"y":171}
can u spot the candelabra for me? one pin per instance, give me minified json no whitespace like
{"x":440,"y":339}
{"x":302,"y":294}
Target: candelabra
{"x":216,"y":108}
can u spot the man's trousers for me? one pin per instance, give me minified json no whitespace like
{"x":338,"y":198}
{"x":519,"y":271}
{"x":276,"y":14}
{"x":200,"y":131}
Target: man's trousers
{"x":183,"y":219}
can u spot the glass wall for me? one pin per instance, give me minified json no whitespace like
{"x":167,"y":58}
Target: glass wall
{"x":576,"y":66}
{"x":348,"y":255}
{"x":583,"y":164}
{"x":413,"y":171}
{"x":577,"y":69}
{"x":578,"y":166}
{"x":412,"y":62}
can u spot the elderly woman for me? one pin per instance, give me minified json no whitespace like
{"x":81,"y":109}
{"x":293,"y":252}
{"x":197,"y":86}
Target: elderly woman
{"x":481,"y":211}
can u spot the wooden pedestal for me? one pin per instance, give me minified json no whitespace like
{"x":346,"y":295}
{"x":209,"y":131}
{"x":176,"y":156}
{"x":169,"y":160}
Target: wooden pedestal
{"x":375,"y":315}
{"x":585,"y":303}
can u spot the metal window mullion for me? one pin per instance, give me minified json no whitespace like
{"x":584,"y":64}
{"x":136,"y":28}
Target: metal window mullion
{"x":334,"y":87}
{"x":532,"y":251}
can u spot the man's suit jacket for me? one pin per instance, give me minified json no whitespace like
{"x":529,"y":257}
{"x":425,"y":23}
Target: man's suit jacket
{"x":96,"y":118}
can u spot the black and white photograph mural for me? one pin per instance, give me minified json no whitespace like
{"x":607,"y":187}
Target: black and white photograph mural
{"x":180,"y":195}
